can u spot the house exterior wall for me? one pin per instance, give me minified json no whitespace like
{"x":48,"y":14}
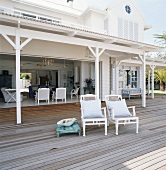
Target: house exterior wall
{"x":41,"y":10}
{"x":121,"y":24}
{"x":87,"y":19}
{"x":97,"y":20}
{"x":94,"y":19}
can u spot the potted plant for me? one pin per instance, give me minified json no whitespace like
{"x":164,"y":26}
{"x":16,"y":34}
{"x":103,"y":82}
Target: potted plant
{"x":88,"y":81}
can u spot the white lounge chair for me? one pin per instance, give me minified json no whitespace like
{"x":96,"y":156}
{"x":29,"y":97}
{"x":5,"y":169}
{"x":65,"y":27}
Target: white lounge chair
{"x":42,"y":94}
{"x":118,"y":113}
{"x":91,"y":112}
{"x":74,"y":92}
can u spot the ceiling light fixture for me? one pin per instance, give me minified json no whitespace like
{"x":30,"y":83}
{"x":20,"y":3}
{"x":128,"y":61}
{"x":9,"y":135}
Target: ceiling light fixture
{"x":48,"y":61}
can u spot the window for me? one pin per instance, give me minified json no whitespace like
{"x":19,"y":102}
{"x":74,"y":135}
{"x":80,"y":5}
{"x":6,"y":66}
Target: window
{"x":133,"y":79}
{"x":128,"y":9}
{"x":128,"y":78}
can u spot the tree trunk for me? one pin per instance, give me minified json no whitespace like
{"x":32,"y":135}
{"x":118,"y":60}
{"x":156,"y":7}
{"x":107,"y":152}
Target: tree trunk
{"x":161,"y":86}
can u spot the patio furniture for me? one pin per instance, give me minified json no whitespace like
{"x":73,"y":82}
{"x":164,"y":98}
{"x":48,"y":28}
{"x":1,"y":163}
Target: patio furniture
{"x":59,"y":94}
{"x":74,"y":128}
{"x":118,"y":113}
{"x":131,"y":92}
{"x":91,"y":112}
{"x":74,"y":92}
{"x":10,"y":95}
{"x":42,"y":94}
{"x":113,"y":97}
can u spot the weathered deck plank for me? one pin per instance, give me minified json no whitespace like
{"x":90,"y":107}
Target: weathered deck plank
{"x":33,"y":145}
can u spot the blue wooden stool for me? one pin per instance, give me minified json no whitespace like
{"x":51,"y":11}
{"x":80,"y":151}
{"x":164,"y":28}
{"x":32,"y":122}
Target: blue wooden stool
{"x":74,"y":128}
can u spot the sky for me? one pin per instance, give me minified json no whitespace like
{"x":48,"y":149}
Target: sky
{"x":154,"y":12}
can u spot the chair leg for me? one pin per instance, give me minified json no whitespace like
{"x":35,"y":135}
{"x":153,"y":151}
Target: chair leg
{"x":106,"y":127}
{"x":108,"y":122}
{"x":137,"y":125}
{"x":83,"y":128}
{"x":116,"y":127}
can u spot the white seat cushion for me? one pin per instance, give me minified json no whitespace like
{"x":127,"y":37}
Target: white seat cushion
{"x":120,"y":108}
{"x":91,"y":109}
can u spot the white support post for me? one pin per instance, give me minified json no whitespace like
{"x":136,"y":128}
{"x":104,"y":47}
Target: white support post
{"x":153,"y":67}
{"x":116,"y":77}
{"x":148,"y":82}
{"x":18,"y":101}
{"x":97,"y":55}
{"x":143,"y":82}
{"x":97,"y":72}
{"x":17,"y":46}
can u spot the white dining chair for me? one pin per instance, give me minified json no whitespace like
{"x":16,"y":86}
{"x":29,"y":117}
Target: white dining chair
{"x":59,"y":94}
{"x":42,"y":94}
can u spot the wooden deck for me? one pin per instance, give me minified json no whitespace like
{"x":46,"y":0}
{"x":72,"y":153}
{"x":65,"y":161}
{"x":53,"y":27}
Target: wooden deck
{"x":33,"y":144}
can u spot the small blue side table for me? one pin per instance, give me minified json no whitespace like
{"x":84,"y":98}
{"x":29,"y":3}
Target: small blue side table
{"x":74,"y":128}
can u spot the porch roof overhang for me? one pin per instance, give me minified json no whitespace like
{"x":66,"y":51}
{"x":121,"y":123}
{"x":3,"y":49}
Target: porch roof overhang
{"x":159,"y":63}
{"x":115,"y":47}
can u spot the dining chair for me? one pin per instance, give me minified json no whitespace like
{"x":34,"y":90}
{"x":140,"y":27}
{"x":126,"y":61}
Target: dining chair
{"x":43,"y":94}
{"x":59,"y":94}
{"x":74,"y":92}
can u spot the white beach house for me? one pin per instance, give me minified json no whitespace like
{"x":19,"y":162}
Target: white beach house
{"x":63,"y":44}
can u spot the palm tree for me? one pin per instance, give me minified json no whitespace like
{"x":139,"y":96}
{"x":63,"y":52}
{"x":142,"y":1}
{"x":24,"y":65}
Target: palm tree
{"x":161,"y":38}
{"x":160,"y":75}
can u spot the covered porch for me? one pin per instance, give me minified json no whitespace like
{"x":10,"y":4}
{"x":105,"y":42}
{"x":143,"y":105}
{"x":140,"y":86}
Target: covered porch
{"x":24,"y":37}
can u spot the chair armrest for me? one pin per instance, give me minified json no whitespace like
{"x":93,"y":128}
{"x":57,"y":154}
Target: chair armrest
{"x":112,"y":112}
{"x":104,"y":109}
{"x":36,"y":93}
{"x":133,"y":108}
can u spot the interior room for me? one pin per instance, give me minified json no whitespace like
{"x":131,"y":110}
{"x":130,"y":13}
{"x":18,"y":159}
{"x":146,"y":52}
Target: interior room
{"x":41,"y":72}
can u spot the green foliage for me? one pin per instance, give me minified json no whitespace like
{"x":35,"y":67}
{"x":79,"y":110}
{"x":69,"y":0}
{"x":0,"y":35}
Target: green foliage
{"x":160,"y":75}
{"x":24,"y":76}
{"x":161,"y":38}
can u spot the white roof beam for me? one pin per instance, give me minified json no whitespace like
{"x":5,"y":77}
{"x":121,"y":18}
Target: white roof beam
{"x":68,"y":40}
{"x":72,"y":33}
{"x":109,"y":41}
{"x":123,"y":57}
{"x":138,"y":46}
